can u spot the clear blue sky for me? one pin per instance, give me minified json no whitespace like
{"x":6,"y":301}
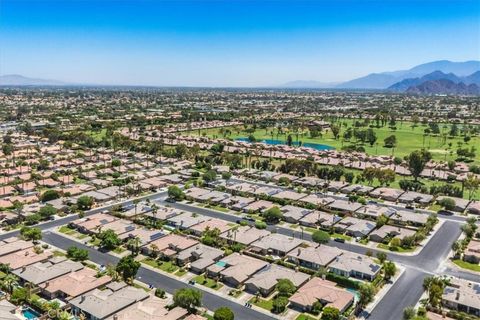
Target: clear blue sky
{"x":230,"y":42}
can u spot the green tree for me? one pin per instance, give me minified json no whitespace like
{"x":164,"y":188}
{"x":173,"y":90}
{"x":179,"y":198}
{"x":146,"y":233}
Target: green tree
{"x":381,"y":256}
{"x":409,"y":313}
{"x":175,"y":193}
{"x":366,"y":292}
{"x":188,"y":298}
{"x":19,"y":295}
{"x":273,"y":215}
{"x":128,"y":267}
{"x":50,"y":195}
{"x":389,"y":269}
{"x":447,"y":203}
{"x":223,"y":313}
{"x":77,"y":254}
{"x":285,"y":287}
{"x":330,"y":313}
{"x":109,"y":239}
{"x":210,"y":176}
{"x":279,"y":304}
{"x":416,"y":162}
{"x":320,"y":236}
{"x":85,"y":202}
{"x":29,"y":233}
{"x":390,"y":141}
{"x":47,"y":211}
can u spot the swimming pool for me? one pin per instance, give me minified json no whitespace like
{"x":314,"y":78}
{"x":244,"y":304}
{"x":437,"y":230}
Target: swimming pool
{"x":30,"y":314}
{"x":220,"y":264}
{"x":274,"y":142}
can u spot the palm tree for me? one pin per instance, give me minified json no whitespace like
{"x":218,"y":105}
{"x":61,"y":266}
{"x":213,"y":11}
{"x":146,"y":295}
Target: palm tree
{"x":10,"y":281}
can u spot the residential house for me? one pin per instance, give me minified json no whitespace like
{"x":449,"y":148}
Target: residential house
{"x":323,"y":291}
{"x":355,"y":265}
{"x":73,"y":284}
{"x":235,"y":269}
{"x":313,"y":257}
{"x":275,"y":244}
{"x":102,"y":304}
{"x":245,"y":235}
{"x":462,"y":295}
{"x":265,"y":280}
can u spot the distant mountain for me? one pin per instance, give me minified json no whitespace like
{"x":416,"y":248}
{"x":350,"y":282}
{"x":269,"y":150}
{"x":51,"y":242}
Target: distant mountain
{"x":444,"y":86}
{"x":403,"y":85}
{"x":308,"y":84}
{"x":410,"y":82}
{"x":18,"y":80}
{"x":386,"y":79}
{"x":473,"y":78}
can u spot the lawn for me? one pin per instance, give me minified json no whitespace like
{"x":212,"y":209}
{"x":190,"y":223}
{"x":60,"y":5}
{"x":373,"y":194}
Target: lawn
{"x":218,"y":208}
{"x":57,"y":253}
{"x":262,"y":303}
{"x":408,"y":139}
{"x":394,"y":249}
{"x":305,"y":317}
{"x":95,"y":242}
{"x":66,"y":230}
{"x":207,"y":282}
{"x":166,"y":266}
{"x":180,"y":272}
{"x":97,"y":135}
{"x":467,"y":265}
{"x":119,"y":250}
{"x":341,"y":236}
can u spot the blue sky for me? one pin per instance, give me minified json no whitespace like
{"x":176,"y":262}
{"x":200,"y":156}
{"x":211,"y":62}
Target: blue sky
{"x":230,"y":43}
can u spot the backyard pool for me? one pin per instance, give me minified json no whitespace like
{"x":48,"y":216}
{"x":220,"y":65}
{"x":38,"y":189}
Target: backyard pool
{"x":274,"y":142}
{"x":220,"y":264}
{"x":30,"y":314}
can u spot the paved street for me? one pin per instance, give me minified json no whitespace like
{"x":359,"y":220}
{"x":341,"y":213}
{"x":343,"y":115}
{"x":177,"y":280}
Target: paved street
{"x":211,"y":301}
{"x":405,"y":292}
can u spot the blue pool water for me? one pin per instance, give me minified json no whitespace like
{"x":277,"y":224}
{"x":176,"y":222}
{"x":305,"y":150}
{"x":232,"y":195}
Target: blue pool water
{"x":220,"y":264}
{"x":355,"y":293}
{"x":30,"y":314}
{"x":275,"y":142}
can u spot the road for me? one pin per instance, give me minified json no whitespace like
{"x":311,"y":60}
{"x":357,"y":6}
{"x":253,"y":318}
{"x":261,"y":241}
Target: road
{"x":405,"y":292}
{"x":408,"y":288}
{"x":210,"y":301}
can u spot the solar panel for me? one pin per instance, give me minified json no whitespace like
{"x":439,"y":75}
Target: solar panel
{"x":104,"y":221}
{"x":130,"y":228}
{"x":156,"y":236}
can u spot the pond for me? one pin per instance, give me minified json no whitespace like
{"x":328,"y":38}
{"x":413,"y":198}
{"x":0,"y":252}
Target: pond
{"x":316,"y":146}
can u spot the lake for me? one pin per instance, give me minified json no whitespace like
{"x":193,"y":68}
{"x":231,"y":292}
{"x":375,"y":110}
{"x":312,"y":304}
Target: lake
{"x":275,"y":142}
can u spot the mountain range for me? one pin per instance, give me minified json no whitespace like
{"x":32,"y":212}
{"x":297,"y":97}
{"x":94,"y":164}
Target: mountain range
{"x":404,"y":85}
{"x":18,"y":80}
{"x":384,"y":80}
{"x":467,"y":73}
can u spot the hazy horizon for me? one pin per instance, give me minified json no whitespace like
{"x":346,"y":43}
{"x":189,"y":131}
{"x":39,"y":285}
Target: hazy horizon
{"x":234,"y":43}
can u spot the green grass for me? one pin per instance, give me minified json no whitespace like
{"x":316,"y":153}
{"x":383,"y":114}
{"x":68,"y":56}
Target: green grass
{"x":305,"y":317}
{"x":67,"y":230}
{"x":262,"y":303}
{"x":118,"y":250}
{"x":166,"y":266}
{"x":58,"y":253}
{"x":467,"y":265}
{"x":95,"y":242}
{"x":97,"y":135}
{"x":180,"y":272}
{"x":341,"y":236}
{"x":218,"y":208}
{"x":408,"y":139}
{"x":394,"y":249}
{"x":207,"y":282}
